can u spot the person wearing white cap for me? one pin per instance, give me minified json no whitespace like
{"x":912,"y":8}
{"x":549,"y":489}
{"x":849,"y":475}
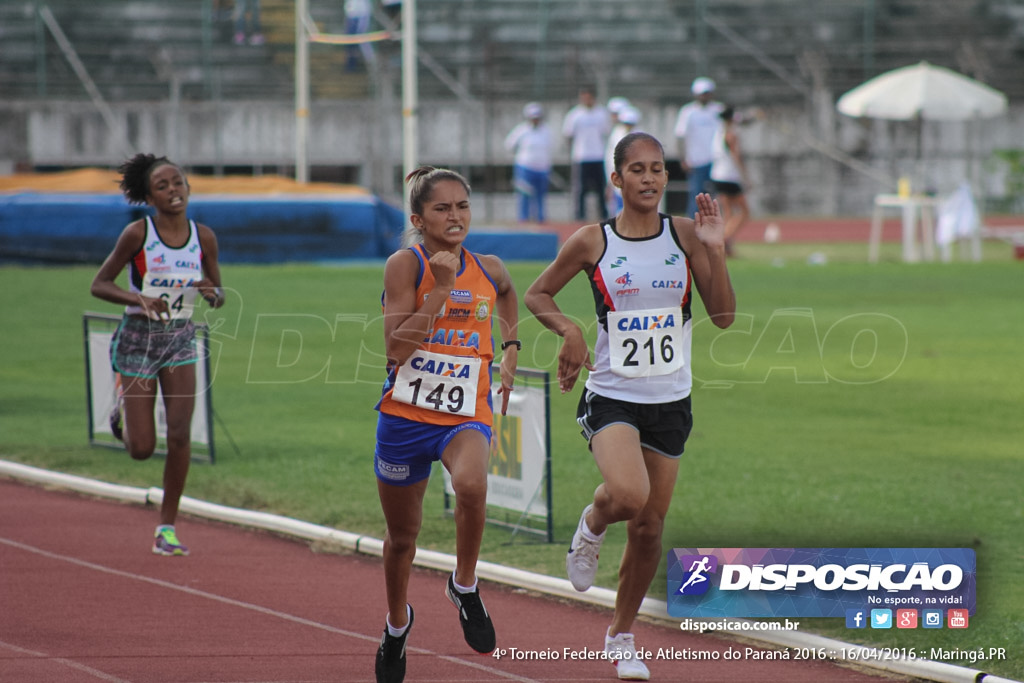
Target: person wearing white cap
{"x":627,"y":117}
{"x":533,"y":145}
{"x":695,"y":129}
{"x":615,"y":105}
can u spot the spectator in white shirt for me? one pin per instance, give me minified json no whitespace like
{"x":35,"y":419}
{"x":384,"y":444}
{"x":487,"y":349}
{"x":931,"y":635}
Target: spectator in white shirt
{"x":586,"y":126}
{"x":357,"y":21}
{"x":695,"y":129}
{"x":533,"y":145}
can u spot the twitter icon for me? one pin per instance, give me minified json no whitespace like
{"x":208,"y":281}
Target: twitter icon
{"x":881,"y":618}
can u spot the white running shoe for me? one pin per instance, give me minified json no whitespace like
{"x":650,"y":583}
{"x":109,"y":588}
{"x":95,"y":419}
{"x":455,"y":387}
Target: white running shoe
{"x":581,"y":562}
{"x":621,"y":651}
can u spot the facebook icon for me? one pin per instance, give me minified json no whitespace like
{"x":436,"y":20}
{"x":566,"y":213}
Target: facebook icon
{"x":855,"y":618}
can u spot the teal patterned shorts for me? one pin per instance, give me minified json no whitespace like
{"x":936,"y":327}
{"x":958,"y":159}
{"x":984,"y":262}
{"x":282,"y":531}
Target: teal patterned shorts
{"x":142,"y":347}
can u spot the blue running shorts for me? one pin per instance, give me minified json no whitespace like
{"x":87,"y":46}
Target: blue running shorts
{"x":406,"y":449}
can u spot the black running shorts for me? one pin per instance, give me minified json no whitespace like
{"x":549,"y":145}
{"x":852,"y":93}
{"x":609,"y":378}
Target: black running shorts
{"x":663,"y":427}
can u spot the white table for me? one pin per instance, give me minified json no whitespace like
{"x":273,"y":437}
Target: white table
{"x":917,"y":215}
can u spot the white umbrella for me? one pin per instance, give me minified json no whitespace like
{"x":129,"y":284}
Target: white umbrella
{"x":923,"y":90}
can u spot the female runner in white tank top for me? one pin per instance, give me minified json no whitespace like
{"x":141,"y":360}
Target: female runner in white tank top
{"x":635,"y":409}
{"x":171,"y":260}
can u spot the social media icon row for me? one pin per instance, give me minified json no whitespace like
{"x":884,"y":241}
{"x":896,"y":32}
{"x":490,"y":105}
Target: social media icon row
{"x":906,"y":618}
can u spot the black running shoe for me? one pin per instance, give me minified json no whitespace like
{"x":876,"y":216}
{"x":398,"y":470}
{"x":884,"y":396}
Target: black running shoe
{"x":390,"y":666}
{"x":476,"y":622}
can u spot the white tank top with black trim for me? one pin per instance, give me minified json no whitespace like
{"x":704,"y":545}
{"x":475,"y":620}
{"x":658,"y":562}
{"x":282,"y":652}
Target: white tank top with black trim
{"x":642,"y":293}
{"x":161,"y":271}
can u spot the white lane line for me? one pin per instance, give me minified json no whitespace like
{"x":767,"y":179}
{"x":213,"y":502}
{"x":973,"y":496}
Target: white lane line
{"x":251,"y":607}
{"x":71,"y":664}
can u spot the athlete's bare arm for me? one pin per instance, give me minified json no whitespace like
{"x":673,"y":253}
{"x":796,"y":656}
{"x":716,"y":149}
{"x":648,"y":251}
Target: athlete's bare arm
{"x":704,"y":241}
{"x":405,"y":324}
{"x":209,"y":286}
{"x":104,"y":286}
{"x":579,"y":253}
{"x":508,"y":322}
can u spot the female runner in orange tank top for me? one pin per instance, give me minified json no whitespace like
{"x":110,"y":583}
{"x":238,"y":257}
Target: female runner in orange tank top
{"x":439,"y":302}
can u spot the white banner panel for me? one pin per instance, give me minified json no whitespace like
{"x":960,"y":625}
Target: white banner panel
{"x":519,"y":461}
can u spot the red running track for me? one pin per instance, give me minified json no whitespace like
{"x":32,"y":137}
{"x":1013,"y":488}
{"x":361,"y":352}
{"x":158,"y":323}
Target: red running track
{"x":82,"y":599}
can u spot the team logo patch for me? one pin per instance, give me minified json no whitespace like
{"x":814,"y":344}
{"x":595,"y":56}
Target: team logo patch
{"x":482,"y":311}
{"x":625,"y":282}
{"x":391,"y":471}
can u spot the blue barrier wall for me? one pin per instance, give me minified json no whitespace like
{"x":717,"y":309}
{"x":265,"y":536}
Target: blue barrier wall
{"x":300,"y":229}
{"x":250,"y":229}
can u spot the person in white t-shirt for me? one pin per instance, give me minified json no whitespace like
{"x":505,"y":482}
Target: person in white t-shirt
{"x":587,"y":126}
{"x":695,"y":128}
{"x":357,"y":21}
{"x":533,"y":145}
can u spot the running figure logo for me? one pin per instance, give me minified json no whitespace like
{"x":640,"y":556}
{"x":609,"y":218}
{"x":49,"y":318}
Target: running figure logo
{"x":697,"y":567}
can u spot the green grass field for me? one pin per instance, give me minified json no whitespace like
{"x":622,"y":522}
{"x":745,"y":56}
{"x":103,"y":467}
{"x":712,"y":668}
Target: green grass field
{"x":809,"y":432}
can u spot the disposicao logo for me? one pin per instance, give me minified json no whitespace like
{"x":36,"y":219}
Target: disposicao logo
{"x":696,"y":580}
{"x":817,"y":582}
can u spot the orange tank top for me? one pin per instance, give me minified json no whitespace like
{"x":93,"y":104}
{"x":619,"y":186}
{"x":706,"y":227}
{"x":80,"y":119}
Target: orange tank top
{"x":447,"y":380}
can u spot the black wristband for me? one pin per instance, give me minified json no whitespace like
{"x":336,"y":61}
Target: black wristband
{"x":512,"y":342}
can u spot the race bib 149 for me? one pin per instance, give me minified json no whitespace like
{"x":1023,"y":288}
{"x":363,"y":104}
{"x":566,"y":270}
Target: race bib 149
{"x":439,"y":382}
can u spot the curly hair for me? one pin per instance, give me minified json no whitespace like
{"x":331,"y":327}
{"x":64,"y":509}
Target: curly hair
{"x":135,"y":174}
{"x":421,"y":184}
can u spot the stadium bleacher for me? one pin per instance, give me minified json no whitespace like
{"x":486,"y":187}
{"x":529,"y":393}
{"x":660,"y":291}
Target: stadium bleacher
{"x":541,"y":47}
{"x":179,"y":84}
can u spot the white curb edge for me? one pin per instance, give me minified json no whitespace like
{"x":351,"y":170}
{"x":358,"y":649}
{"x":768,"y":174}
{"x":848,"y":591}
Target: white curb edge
{"x":921,"y":668}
